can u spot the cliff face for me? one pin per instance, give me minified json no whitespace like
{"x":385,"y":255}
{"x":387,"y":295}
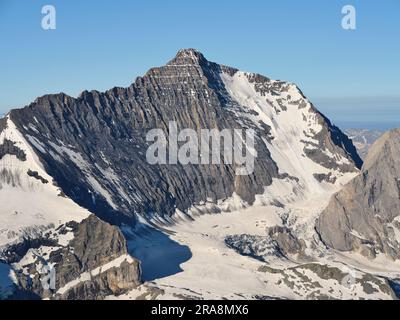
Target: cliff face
{"x":364,"y":215}
{"x":94,"y":263}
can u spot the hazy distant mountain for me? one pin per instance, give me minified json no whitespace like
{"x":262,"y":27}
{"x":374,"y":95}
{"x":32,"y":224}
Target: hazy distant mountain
{"x":363,"y":139}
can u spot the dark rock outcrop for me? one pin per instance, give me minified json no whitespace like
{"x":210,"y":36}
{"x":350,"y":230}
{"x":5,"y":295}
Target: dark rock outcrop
{"x":37,"y":176}
{"x":9,"y":147}
{"x":94,"y":264}
{"x":279,"y":242}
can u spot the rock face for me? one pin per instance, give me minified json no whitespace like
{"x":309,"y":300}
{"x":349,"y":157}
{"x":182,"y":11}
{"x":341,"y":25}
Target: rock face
{"x":92,"y":265}
{"x":94,"y":146}
{"x":364,"y":216}
{"x":279,"y":242}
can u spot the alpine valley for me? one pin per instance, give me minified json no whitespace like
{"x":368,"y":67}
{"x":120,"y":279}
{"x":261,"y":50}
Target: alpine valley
{"x":83,"y":215}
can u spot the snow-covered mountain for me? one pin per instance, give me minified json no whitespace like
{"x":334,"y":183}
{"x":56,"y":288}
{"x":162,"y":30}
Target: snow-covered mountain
{"x":31,"y":202}
{"x":41,"y":228}
{"x":65,"y":160}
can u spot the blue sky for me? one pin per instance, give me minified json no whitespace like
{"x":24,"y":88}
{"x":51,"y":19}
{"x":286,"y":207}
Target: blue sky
{"x":101,"y":44}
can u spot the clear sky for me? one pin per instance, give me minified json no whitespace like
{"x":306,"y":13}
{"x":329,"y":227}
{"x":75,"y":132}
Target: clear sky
{"x":102,"y":44}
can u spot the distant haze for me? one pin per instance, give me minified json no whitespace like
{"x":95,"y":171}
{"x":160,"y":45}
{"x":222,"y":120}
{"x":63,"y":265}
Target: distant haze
{"x":362,"y":113}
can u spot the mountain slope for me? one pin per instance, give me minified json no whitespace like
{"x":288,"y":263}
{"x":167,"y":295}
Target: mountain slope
{"x":364,"y":216}
{"x":42,"y":231}
{"x":28,"y":195}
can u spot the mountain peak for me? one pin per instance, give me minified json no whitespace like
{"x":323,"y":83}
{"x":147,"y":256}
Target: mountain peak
{"x":385,"y":147}
{"x":187,"y":57}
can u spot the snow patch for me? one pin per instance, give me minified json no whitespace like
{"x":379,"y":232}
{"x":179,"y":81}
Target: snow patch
{"x":42,"y":205}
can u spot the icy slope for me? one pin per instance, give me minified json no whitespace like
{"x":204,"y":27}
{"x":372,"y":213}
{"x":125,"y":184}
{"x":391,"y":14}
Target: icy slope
{"x":298,"y":135}
{"x":43,"y":230}
{"x":216,"y":271}
{"x":30,"y":202}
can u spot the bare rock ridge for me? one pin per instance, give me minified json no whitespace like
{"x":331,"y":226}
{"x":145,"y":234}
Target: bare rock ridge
{"x":94,"y":146}
{"x":364,"y":215}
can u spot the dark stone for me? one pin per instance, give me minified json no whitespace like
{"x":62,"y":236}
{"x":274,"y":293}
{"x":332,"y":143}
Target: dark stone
{"x":36,"y":175}
{"x":9,"y":147}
